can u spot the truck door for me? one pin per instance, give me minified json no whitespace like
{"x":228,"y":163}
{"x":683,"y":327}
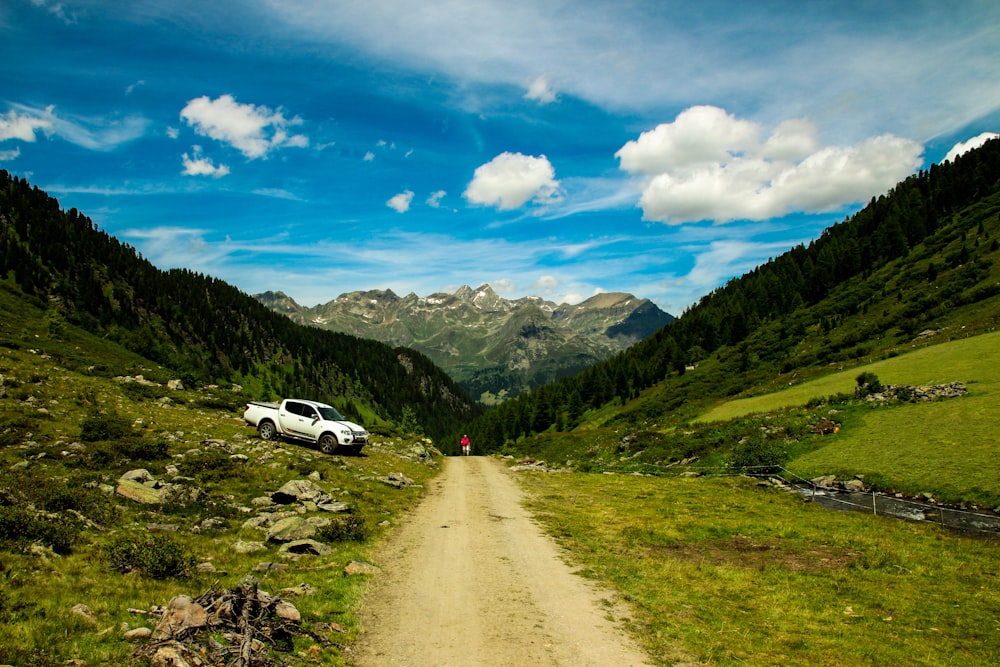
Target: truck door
{"x":292,"y":420}
{"x":311,"y":423}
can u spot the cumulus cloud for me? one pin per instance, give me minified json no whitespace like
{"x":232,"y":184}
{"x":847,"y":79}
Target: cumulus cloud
{"x":540,"y":91}
{"x":198,"y":165}
{"x":434,"y":201}
{"x":511,"y":179}
{"x":964,"y":147}
{"x":6,"y":156}
{"x":253,"y":130}
{"x":401,"y":202}
{"x":710,"y":165}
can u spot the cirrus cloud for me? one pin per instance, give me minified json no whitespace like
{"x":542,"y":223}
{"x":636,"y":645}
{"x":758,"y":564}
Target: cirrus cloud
{"x":511,"y":179}
{"x":710,"y":165}
{"x":253,"y":130}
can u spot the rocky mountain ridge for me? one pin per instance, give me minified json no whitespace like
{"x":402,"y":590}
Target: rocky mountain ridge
{"x":491,"y":345}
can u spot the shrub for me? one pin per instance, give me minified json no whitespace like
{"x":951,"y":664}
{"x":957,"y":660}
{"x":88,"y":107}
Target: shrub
{"x":345,"y":528}
{"x":14,"y":430}
{"x":758,"y":456}
{"x":130,"y":449}
{"x":155,"y":556}
{"x":19,"y":527}
{"x":211,"y":465}
{"x":105,"y":427}
{"x":868,"y":383}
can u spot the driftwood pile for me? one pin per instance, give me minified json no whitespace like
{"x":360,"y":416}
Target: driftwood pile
{"x":252,"y":623}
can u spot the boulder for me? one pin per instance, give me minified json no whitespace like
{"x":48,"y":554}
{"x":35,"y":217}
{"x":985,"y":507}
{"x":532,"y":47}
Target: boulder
{"x":182,"y":615}
{"x":291,"y":529}
{"x":140,"y":475}
{"x":298,"y":490}
{"x":306,"y":547}
{"x":137,"y":492}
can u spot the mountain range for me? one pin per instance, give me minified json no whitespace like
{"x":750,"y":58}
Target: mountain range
{"x":493,"y":347}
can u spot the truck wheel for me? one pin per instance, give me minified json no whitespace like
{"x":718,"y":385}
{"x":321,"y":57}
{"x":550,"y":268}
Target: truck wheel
{"x":327,"y":443}
{"x":266,"y":430}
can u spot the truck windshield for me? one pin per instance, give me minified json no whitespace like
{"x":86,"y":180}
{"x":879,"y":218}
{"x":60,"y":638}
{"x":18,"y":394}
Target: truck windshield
{"x":330,"y":414}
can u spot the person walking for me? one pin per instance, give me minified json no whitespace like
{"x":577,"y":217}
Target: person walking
{"x":466,"y":445}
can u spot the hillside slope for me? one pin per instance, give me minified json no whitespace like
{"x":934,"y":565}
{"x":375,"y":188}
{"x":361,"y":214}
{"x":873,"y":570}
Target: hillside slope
{"x":924,"y":258}
{"x":205,"y":329}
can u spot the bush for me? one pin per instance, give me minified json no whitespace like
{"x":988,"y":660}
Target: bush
{"x":37,"y":489}
{"x":346,"y":528}
{"x":13,"y":431}
{"x":130,"y":449}
{"x":155,"y":556}
{"x":211,"y":465}
{"x":105,"y":427}
{"x":868,"y":384}
{"x":19,"y":527}
{"x":758,"y":456}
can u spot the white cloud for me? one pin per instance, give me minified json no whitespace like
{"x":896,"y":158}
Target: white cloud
{"x":99,"y":134}
{"x":540,"y":91}
{"x":434,"y":201}
{"x":964,"y":147}
{"x":253,"y":130}
{"x":6,"y":156}
{"x":197,"y":165}
{"x":401,"y":202}
{"x":874,"y":64}
{"x":369,"y":157}
{"x":511,"y":179}
{"x":698,"y":136}
{"x":709,"y":165}
{"x":23,"y":125}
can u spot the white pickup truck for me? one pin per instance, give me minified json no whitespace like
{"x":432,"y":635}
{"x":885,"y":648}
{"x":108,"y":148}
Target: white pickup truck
{"x":310,"y":421}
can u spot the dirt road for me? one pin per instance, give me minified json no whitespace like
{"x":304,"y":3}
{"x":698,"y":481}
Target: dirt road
{"x":471,"y":580}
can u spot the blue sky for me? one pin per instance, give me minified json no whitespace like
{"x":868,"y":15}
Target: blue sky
{"x":548,"y":148}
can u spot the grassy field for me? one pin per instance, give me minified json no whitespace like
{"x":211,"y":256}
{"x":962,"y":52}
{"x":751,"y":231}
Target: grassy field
{"x":947,"y":448}
{"x":720,"y":572}
{"x":973,"y":360}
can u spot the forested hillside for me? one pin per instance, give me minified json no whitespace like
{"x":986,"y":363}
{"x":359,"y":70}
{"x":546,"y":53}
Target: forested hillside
{"x":205,"y":329}
{"x":923,"y":256}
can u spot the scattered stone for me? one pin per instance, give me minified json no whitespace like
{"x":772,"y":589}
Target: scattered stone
{"x":305,"y":548}
{"x":287,"y":611}
{"x":182,"y":615}
{"x":271,"y":567}
{"x":242,"y":547}
{"x":84,"y":612}
{"x":296,"y":591}
{"x":532,"y":465}
{"x":396,"y":479}
{"x":356,"y":567}
{"x":138,"y":634}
